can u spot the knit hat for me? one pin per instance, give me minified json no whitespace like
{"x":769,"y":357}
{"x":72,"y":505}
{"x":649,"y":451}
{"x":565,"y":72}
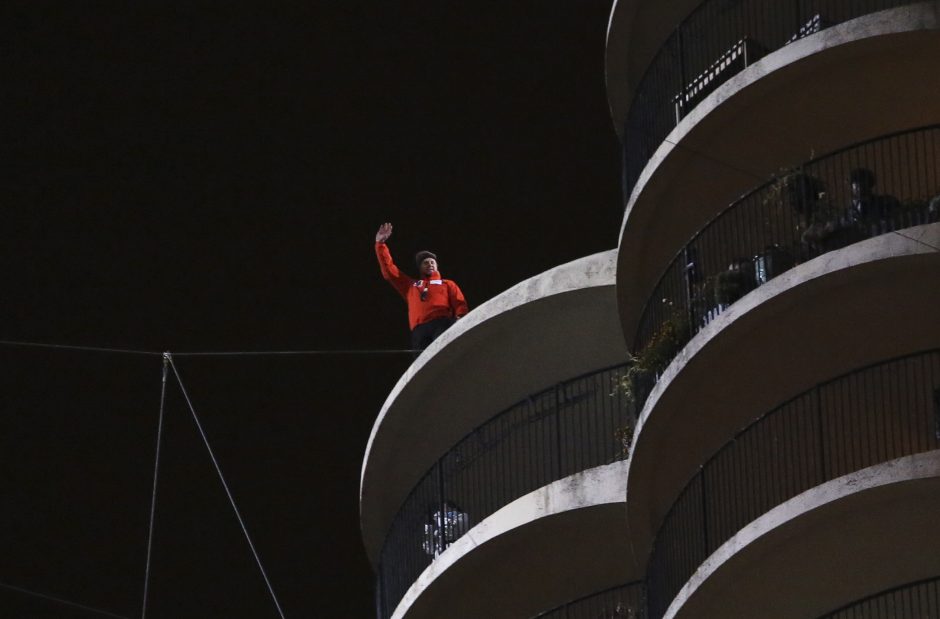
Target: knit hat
{"x":421,"y":255}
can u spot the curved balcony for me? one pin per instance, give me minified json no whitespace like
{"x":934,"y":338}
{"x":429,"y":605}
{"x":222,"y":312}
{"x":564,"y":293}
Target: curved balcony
{"x":855,"y":306}
{"x":635,"y":32}
{"x":864,"y":532}
{"x":861,"y":419}
{"x":706,"y":49}
{"x":623,"y":602}
{"x":575,"y":426}
{"x":866,"y":77}
{"x":549,"y":328}
{"x":541,"y":550}
{"x":783,"y":223}
{"x":910,"y":601}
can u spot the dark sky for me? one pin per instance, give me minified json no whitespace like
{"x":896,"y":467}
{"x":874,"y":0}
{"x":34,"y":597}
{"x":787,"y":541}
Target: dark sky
{"x":211,"y":179}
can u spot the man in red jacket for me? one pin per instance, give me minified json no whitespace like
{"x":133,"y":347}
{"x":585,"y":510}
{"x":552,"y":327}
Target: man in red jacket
{"x":433,"y":303}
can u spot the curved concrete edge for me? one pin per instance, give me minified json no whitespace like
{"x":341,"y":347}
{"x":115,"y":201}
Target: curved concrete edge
{"x":923,"y":16}
{"x":727,"y":174}
{"x":595,"y":270}
{"x":919,"y":240}
{"x":616,"y":74}
{"x":923,"y":466}
{"x":550,"y":327}
{"x":588,"y":490}
{"x":882,"y":23}
{"x":912,"y":243}
{"x":636,"y":30}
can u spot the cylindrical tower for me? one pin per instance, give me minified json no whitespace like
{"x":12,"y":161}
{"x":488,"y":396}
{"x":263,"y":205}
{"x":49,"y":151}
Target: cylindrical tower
{"x":778,"y":283}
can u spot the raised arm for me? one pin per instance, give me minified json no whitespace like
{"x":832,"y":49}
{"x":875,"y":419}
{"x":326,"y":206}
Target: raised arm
{"x":390,"y":272}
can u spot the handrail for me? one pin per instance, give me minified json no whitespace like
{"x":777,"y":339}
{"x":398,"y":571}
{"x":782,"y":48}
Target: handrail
{"x":627,"y":601}
{"x":710,"y":46}
{"x":575,"y":425}
{"x":804,"y":212}
{"x":862,"y":418}
{"x":910,"y":601}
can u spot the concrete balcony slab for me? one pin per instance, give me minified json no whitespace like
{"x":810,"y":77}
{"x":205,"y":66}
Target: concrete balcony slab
{"x":871,"y":301}
{"x":549,"y":328}
{"x":870,"y":76}
{"x":804,"y":557}
{"x":546,"y":548}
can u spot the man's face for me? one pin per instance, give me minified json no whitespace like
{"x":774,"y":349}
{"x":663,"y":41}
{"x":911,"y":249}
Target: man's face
{"x":428,"y":266}
{"x":860,"y":190}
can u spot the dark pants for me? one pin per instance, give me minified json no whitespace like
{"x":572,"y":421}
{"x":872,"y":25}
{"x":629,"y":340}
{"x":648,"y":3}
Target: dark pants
{"x":427,"y":332}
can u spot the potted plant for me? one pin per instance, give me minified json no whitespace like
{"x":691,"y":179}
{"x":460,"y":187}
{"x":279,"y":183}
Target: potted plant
{"x":733,"y":283}
{"x":797,"y":190}
{"x":624,"y":438}
{"x":646,"y":365}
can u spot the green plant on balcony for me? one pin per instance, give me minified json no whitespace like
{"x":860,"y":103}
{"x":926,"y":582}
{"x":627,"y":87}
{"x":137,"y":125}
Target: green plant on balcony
{"x":624,"y":438}
{"x":794,"y":190}
{"x":821,"y":225}
{"x":648,"y":363}
{"x":733,"y":283}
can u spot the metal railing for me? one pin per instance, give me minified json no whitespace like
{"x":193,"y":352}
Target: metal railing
{"x":912,"y":601}
{"x":575,"y":425}
{"x":622,"y":602}
{"x":857,"y":420}
{"x":804,"y":212}
{"x":709,"y":47}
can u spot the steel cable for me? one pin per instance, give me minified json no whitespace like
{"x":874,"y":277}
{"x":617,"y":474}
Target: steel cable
{"x":153,"y":498}
{"x":228,"y":492}
{"x":62,"y":601}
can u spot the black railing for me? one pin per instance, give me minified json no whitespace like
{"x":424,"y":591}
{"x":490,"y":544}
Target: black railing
{"x":576,"y":425}
{"x":622,"y":602}
{"x":805,"y":212}
{"x":709,"y":47}
{"x":913,"y":601}
{"x":860,"y":419}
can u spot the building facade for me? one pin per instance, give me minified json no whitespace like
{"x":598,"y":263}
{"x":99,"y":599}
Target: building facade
{"x":736,"y":413}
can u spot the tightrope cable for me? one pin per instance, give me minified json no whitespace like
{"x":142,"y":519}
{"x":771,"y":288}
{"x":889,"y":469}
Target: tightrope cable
{"x":153,"y":497}
{"x":246,"y":353}
{"x":228,"y":492}
{"x":123,"y":351}
{"x":59,"y":600}
{"x":218,"y":353}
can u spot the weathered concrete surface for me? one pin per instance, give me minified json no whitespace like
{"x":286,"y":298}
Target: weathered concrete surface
{"x":869,"y":302}
{"x":872,"y":530}
{"x":814,"y":96}
{"x":553,"y":545}
{"x":549,"y":328}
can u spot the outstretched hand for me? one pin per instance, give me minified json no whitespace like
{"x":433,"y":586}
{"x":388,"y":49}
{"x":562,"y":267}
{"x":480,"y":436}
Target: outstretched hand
{"x":385,"y":231}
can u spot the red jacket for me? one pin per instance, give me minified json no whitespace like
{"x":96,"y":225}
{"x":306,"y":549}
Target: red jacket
{"x":443,"y":298}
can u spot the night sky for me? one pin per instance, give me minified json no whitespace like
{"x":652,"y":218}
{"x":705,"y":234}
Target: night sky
{"x":211,"y":179}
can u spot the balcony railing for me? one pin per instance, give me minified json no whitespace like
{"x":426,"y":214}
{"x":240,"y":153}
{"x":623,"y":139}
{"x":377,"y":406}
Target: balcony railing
{"x":576,"y":425}
{"x":912,"y":601}
{"x":860,"y":419}
{"x":623,"y":602}
{"x":804,"y":212}
{"x":709,"y":47}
